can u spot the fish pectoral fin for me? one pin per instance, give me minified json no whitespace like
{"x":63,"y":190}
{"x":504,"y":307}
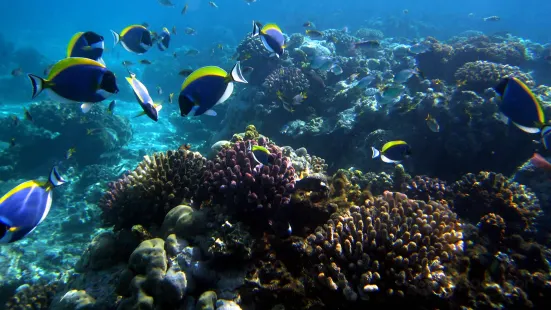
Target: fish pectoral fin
{"x":158,"y":106}
{"x":388,"y":160}
{"x":142,"y":113}
{"x":210,"y":113}
{"x":14,"y":229}
{"x":85,"y":107}
{"x":527,"y":129}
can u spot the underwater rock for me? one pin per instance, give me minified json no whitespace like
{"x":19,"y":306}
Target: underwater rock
{"x":183,"y":221}
{"x":207,"y":301}
{"x":148,"y":281}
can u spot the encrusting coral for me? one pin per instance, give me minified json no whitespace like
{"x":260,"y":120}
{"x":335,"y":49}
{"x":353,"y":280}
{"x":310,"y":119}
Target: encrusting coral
{"x":391,"y":244}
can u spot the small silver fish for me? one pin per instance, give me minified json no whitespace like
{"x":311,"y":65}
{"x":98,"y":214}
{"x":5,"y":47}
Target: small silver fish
{"x":432,"y":123}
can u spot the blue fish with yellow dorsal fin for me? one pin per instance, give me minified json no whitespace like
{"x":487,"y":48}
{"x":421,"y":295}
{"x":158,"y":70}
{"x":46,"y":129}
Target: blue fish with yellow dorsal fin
{"x":519,"y":105}
{"x":87,"y":45}
{"x":206,"y":87}
{"x":272,"y":38}
{"x":144,"y":99}
{"x":134,"y":38}
{"x":77,"y":79}
{"x":260,"y":154}
{"x":393,"y":152}
{"x":24,"y":207}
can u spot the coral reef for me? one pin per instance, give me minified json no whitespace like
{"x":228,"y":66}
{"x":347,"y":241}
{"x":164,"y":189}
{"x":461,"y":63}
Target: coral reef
{"x":369,"y":34}
{"x":56,"y":128}
{"x":158,"y":184}
{"x":452,"y":56}
{"x":289,"y":81}
{"x":37,"y":296}
{"x":477,"y":195}
{"x":236,"y":180}
{"x":480,"y":75}
{"x":389,"y":246}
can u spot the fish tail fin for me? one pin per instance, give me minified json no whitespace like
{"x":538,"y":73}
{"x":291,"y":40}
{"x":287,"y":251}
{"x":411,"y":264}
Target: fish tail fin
{"x":38,"y":84}
{"x":116,"y":38}
{"x":256,"y":30}
{"x":55,"y":179}
{"x":376,"y":152}
{"x":236,"y":75}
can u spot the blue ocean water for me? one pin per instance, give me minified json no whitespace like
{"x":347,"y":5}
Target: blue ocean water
{"x":462,"y":158}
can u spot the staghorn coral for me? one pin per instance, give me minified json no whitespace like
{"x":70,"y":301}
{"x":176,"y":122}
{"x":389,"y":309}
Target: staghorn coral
{"x":289,"y":81}
{"x":489,"y":192}
{"x":391,"y":244}
{"x":480,"y":75}
{"x":157,"y":185}
{"x":36,"y":296}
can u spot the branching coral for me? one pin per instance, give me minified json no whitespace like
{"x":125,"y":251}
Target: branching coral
{"x":157,"y":185}
{"x":392,"y":245}
{"x":236,"y":180}
{"x":479,"y":75}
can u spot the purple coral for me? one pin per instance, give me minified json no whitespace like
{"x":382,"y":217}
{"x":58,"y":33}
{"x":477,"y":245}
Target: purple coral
{"x":235,"y":180}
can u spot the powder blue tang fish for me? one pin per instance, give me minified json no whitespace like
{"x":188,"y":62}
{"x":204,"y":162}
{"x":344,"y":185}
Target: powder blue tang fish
{"x":87,"y":45}
{"x":206,"y":87}
{"x":77,"y":79}
{"x":24,"y":207}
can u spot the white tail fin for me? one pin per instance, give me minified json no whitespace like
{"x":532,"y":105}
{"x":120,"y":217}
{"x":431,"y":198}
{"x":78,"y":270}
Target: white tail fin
{"x":55,"y":178}
{"x":37,"y":83}
{"x":237,"y":75}
{"x":376,"y":152}
{"x":116,"y":38}
{"x":256,"y":30}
